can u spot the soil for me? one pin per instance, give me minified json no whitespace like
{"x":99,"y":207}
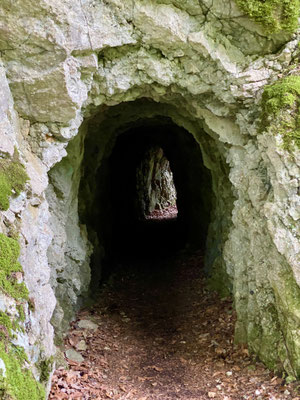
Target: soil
{"x":162,"y":335}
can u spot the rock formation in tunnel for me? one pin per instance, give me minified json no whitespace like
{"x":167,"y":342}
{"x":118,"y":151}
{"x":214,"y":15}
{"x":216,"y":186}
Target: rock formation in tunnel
{"x":75,"y":77}
{"x":155,"y":183}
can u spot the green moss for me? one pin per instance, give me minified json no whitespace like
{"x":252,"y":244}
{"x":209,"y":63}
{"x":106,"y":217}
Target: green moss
{"x":19,"y":383}
{"x":6,"y":326}
{"x":273,"y":15}
{"x":21,"y":312}
{"x":12,"y":179}
{"x":280,"y":109}
{"x":9,"y":253}
{"x":45,"y":368}
{"x":281,"y":94}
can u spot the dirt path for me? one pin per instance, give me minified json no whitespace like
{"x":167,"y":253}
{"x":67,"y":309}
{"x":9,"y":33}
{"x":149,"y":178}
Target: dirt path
{"x":161,"y":335}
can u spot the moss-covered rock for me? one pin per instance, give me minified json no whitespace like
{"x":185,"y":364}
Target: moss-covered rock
{"x":9,"y":253}
{"x":287,"y":294}
{"x":45,"y":367}
{"x":12,"y":179}
{"x":274,"y":15}
{"x":18,"y":382}
{"x":280,"y":105}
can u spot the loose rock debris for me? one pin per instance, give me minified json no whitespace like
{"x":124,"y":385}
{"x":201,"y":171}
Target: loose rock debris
{"x":157,"y":333}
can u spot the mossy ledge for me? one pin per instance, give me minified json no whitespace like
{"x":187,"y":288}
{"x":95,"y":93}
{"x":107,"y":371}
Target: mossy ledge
{"x":273,"y":15}
{"x":280,"y":110}
{"x":12,"y":179}
{"x":16,"y":381}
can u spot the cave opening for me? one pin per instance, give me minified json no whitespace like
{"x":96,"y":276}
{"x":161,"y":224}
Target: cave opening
{"x":96,"y":195}
{"x":120,"y":226}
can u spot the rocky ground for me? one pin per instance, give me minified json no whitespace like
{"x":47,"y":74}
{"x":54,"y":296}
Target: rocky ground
{"x":158,"y":333}
{"x":166,"y":213}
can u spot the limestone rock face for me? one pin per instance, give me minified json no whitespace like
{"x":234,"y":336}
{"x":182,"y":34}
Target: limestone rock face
{"x":76,"y":69}
{"x":155,"y":184}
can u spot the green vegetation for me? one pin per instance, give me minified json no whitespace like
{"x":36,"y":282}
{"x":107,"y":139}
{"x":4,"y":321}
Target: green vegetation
{"x":9,"y":253}
{"x":6,"y":326}
{"x":280,"y":104}
{"x":12,"y":179}
{"x":18,"y":383}
{"x":21,"y":312}
{"x":45,"y":368}
{"x":273,"y":15}
{"x":281,"y":94}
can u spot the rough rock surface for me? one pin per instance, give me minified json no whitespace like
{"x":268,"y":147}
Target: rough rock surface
{"x":155,"y":185}
{"x":72,"y":68}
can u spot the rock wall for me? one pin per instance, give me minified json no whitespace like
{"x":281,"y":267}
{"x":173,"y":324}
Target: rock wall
{"x":71,"y":69}
{"x":155,"y":184}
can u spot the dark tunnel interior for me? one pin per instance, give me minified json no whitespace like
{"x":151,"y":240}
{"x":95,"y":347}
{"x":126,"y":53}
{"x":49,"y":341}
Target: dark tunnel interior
{"x":115,"y":221}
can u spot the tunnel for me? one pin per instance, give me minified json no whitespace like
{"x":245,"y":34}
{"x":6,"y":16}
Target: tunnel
{"x":93,"y":196}
{"x":100,"y":238}
{"x":113,"y":214}
{"x":146,"y":279}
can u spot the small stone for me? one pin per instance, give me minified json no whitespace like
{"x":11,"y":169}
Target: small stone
{"x":286,"y":393}
{"x":229,"y":373}
{"x":212,"y":395}
{"x":87,"y":324}
{"x":81,"y":346}
{"x":73,"y":355}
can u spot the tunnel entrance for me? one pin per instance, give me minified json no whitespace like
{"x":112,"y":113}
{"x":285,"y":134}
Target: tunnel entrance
{"x":157,"y":321}
{"x":101,"y":217}
{"x":128,"y":191}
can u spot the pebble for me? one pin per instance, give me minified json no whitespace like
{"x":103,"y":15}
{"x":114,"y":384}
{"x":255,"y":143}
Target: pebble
{"x":87,"y":324}
{"x":81,"y":346}
{"x":73,"y":355}
{"x":212,"y":395}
